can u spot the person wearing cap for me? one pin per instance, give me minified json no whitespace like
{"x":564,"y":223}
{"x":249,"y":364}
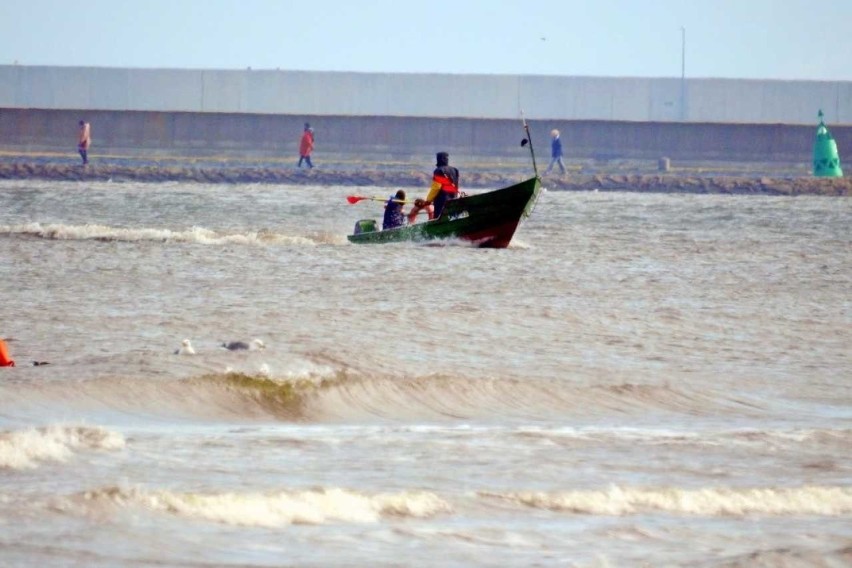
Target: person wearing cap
{"x":445,"y":185}
{"x":306,"y":146}
{"x":555,"y":152}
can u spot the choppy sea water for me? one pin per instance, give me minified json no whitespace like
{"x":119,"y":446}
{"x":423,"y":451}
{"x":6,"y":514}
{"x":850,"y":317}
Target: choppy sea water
{"x":639,"y":380}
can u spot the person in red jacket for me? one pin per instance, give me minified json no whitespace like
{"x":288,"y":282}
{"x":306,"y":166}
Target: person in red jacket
{"x":306,"y":146}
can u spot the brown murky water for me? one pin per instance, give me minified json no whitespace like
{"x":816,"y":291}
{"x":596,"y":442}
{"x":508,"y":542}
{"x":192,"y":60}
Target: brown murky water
{"x":639,"y":380}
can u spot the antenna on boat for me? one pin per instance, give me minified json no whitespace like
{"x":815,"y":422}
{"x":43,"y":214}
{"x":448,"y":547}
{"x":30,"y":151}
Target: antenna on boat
{"x":528,"y":140}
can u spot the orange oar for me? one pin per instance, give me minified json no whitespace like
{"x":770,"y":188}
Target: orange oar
{"x":357,"y":198}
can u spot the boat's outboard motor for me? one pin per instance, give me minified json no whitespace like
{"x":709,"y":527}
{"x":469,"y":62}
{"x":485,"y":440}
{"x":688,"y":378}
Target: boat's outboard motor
{"x":365,"y":226}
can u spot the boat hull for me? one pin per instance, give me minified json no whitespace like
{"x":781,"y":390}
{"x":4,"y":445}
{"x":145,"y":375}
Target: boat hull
{"x":488,"y":220}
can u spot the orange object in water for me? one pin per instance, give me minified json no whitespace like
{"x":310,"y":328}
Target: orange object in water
{"x":5,"y":359}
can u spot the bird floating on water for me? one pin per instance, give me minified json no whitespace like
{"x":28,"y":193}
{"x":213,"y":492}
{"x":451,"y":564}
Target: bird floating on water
{"x":253,"y":345}
{"x":185,"y":348}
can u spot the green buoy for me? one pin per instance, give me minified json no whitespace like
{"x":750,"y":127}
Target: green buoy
{"x":826,"y":158}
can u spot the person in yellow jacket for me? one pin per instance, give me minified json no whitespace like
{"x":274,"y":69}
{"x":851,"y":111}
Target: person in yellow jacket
{"x":445,"y":185}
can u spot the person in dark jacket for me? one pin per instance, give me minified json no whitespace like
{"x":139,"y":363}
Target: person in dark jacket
{"x":555,"y":152}
{"x":394,"y":217}
{"x":445,"y":184}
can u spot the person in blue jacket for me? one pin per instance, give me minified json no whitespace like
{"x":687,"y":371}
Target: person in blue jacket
{"x":555,"y":152}
{"x":394,"y":217}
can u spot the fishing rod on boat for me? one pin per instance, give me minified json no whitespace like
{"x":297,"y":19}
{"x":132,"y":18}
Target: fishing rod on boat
{"x":527,"y":140}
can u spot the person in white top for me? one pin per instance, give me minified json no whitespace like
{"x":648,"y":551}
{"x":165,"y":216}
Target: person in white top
{"x":84,"y":140}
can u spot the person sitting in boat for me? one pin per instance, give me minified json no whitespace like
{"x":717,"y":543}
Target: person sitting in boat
{"x":445,"y":184}
{"x":420,"y":206}
{"x":394,"y":217}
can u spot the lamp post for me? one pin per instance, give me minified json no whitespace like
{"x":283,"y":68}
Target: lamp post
{"x":682,"y":73}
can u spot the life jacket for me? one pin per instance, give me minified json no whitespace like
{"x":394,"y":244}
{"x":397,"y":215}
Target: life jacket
{"x":5,"y":359}
{"x":445,"y":178}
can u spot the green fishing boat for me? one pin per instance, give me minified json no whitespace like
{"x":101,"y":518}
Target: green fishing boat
{"x":487,"y":220}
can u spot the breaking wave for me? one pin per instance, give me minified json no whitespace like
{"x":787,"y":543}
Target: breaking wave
{"x":26,"y":449}
{"x":268,"y":509}
{"x":195,"y":235}
{"x":316,"y":506}
{"x":330,"y":392}
{"x":726,"y":502}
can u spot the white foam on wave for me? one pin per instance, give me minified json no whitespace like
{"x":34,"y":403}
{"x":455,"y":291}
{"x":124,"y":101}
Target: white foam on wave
{"x":25,"y":449}
{"x":275,"y":509}
{"x":661,"y":436}
{"x":711,"y":502}
{"x":197,"y":235}
{"x":520,"y":244}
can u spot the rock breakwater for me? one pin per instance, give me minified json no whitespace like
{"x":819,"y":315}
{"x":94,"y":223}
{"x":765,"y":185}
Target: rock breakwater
{"x":663,"y":183}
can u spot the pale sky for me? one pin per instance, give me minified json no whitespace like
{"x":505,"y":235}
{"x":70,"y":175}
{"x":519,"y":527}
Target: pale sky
{"x":759,"y":39}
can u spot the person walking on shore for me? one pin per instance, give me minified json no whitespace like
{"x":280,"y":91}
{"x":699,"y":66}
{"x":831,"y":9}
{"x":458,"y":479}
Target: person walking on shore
{"x":306,"y":146}
{"x":555,"y":152}
{"x":84,"y":140}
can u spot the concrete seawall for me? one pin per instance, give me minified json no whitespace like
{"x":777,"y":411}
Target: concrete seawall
{"x":139,"y":133}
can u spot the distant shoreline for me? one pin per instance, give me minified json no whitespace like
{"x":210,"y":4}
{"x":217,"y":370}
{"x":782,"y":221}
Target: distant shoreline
{"x":671,"y":182}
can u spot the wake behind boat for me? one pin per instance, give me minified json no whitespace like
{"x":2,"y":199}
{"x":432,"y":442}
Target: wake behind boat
{"x":488,"y":220}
